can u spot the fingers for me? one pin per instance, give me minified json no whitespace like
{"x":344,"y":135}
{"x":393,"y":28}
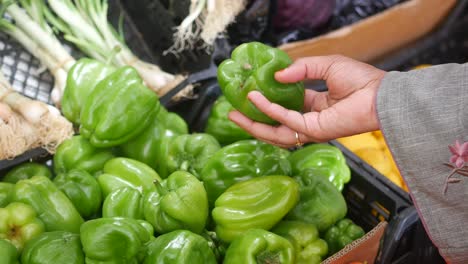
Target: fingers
{"x":292,"y":118}
{"x":314,"y":68}
{"x":281,"y":136}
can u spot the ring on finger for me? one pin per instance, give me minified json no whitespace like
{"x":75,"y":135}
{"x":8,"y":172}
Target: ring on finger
{"x":298,"y":141}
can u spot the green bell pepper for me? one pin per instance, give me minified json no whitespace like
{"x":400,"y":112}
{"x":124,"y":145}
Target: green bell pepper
{"x":256,"y":203}
{"x":123,"y":202}
{"x":221,"y":127}
{"x":258,"y":246}
{"x":148,"y":146}
{"x":190,"y":152}
{"x":123,"y":172}
{"x":26,"y":171}
{"x":252,"y":67}
{"x":54,"y":247}
{"x":52,"y":206}
{"x":341,"y":234}
{"x":240,"y":161}
{"x":309,"y":248}
{"x":180,"y":246}
{"x":320,"y":203}
{"x":78,"y":153}
{"x":326,"y":160}
{"x":8,"y":253}
{"x":82,"y":189}
{"x":81,"y":80}
{"x":19,"y":224}
{"x":119,"y":108}
{"x":114,"y":240}
{"x":179,"y":202}
{"x":6,"y":192}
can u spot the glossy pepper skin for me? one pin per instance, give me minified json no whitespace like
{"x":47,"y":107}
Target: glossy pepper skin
{"x":326,"y":160}
{"x":78,"y":153}
{"x":179,"y":202}
{"x":19,"y":224}
{"x":99,"y":236}
{"x":180,"y":246}
{"x":148,"y":146}
{"x":26,"y":171}
{"x":320,"y":203}
{"x":341,"y":234}
{"x":309,"y":248}
{"x":256,"y":203}
{"x":123,"y":202}
{"x":81,"y":81}
{"x":221,"y":127}
{"x":6,"y":192}
{"x":252,"y":68}
{"x":124,"y":172}
{"x":119,"y":108}
{"x":240,"y":161}
{"x":52,"y":206}
{"x":8,"y":253}
{"x":191,"y":152}
{"x":53,"y":247}
{"x":258,"y":246}
{"x":82,"y":189}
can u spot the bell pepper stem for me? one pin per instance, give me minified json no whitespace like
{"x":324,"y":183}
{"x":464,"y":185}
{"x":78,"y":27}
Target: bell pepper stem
{"x":160,"y":188}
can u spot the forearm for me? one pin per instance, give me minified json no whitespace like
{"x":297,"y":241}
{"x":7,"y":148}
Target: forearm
{"x":421,"y":113}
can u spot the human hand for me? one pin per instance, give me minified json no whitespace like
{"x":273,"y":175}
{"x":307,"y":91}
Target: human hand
{"x":347,"y":108}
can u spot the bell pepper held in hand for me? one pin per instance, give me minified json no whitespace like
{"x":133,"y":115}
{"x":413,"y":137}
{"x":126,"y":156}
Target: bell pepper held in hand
{"x":82,"y":189}
{"x":52,"y":206}
{"x":309,"y":248}
{"x":326,"y":160}
{"x":252,"y":67}
{"x":81,"y":81}
{"x":320,"y":203}
{"x":8,"y":253}
{"x":19,"y":224}
{"x":123,"y":202}
{"x":179,"y":202}
{"x":219,"y":126}
{"x":341,"y":234}
{"x":150,"y":146}
{"x":180,"y":246}
{"x":124,"y":172}
{"x":78,"y":153}
{"x":119,"y":108}
{"x":99,"y":238}
{"x":26,"y":171}
{"x":53,"y":247}
{"x":240,"y":161}
{"x":258,"y":246}
{"x":256,"y":203}
{"x":190,"y":152}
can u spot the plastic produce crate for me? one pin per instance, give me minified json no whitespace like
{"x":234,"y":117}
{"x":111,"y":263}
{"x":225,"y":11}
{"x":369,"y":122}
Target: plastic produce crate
{"x":370,"y":196}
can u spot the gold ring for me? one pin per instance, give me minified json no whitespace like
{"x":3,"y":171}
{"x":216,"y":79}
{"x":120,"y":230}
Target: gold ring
{"x":298,"y":141}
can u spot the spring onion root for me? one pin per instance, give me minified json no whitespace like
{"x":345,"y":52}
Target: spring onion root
{"x":45,"y":122}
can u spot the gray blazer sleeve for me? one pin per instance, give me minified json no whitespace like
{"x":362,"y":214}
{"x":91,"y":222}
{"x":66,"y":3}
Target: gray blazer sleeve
{"x":422,"y":112}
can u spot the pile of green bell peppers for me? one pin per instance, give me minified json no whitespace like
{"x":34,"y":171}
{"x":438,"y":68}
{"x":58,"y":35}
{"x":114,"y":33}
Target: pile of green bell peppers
{"x":135,"y":186}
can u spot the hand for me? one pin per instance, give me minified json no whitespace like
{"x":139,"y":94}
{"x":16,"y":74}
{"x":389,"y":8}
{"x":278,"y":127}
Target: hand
{"x":347,"y":108}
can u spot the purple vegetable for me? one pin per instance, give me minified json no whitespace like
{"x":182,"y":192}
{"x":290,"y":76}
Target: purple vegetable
{"x":302,"y":14}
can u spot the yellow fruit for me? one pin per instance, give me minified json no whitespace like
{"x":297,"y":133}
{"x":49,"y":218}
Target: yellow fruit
{"x":365,"y":140}
{"x":421,"y":66}
{"x":376,"y":158}
{"x":395,"y":178}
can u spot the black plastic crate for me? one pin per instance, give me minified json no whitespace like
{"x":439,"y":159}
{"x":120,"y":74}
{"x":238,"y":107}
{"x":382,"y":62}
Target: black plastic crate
{"x":371,"y":197}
